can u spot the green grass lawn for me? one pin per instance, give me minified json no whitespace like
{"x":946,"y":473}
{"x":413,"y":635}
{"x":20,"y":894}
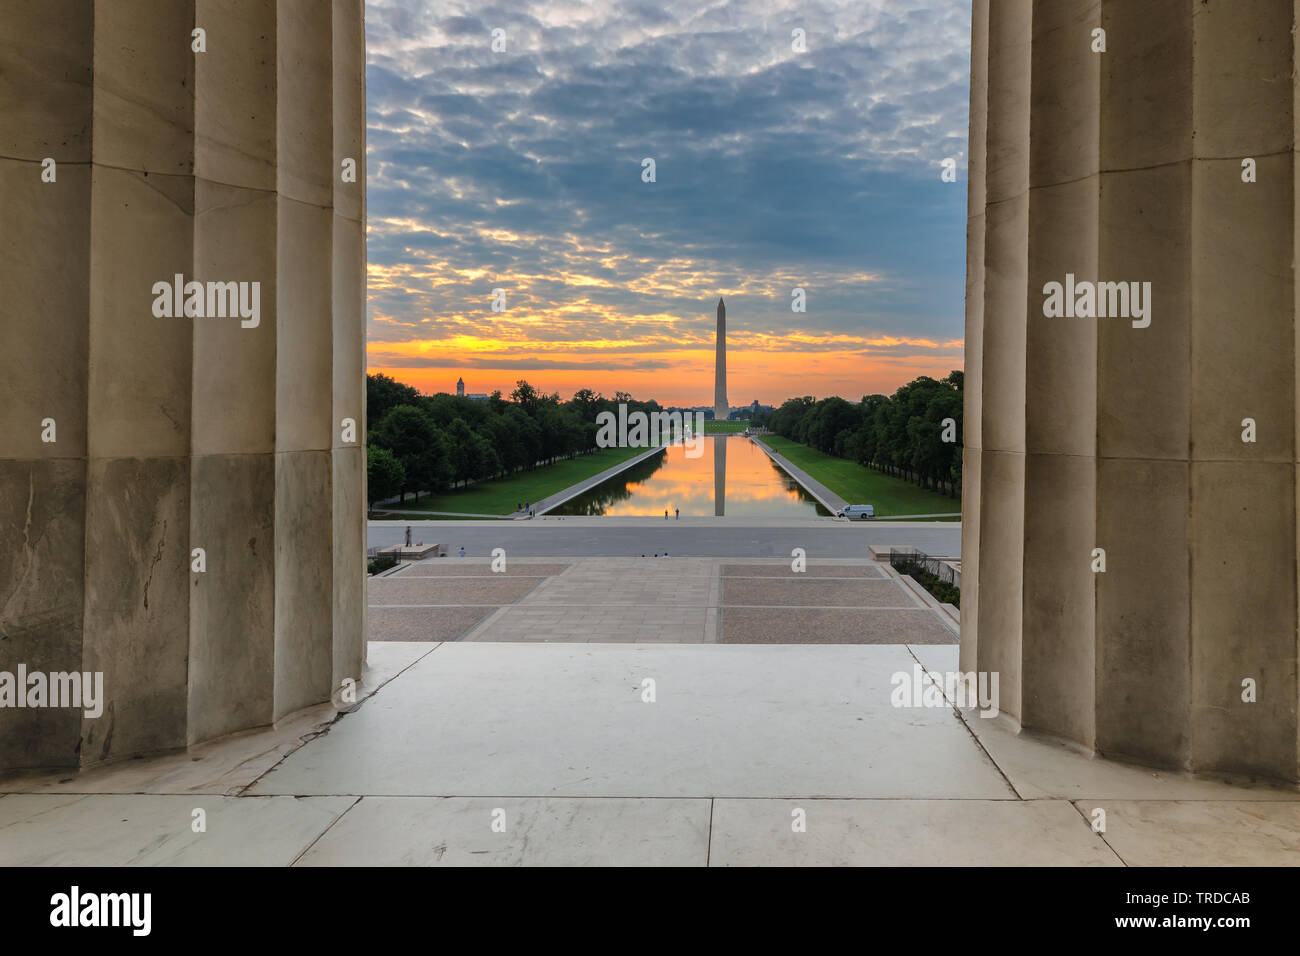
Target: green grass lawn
{"x":500,"y":497}
{"x":859,"y":485}
{"x":713,"y":427}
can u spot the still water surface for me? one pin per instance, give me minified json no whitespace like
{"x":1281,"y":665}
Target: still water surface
{"x":732,"y":477}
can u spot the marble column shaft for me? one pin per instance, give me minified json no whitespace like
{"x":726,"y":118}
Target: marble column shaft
{"x":1082,"y":433}
{"x":184,"y":432}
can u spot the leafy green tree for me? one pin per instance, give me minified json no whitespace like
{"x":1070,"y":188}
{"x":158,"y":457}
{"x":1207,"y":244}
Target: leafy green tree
{"x":421,"y":447}
{"x":487,"y":463}
{"x":900,"y":435}
{"x":529,"y":435}
{"x":383,"y":393}
{"x":526,"y":397}
{"x":385,"y":476}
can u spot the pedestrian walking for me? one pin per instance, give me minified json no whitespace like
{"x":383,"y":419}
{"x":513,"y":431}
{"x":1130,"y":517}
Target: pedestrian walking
{"x":678,"y":513}
{"x":408,"y":535}
{"x":462,"y":551}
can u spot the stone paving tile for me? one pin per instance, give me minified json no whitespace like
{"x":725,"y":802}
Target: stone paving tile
{"x":682,"y":581}
{"x":803,"y":625}
{"x":940,"y":658}
{"x":813,"y":593}
{"x":569,"y":720}
{"x":1201,"y":833}
{"x":457,"y":831}
{"x":813,"y":571}
{"x":496,"y":591}
{"x":422,"y":623}
{"x":226,"y":765}
{"x":533,"y":622}
{"x":1045,"y":768}
{"x":450,"y":567}
{"x":904,"y":833}
{"x":385,"y":660}
{"x":1041,"y":767}
{"x":139,"y":829}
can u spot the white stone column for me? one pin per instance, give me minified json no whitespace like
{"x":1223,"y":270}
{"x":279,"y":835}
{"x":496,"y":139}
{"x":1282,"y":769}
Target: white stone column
{"x":1002,"y":419}
{"x":1143,"y":598}
{"x":179,"y":433}
{"x":349,"y":338}
{"x":1242,"y":508}
{"x":972,"y":419}
{"x":1131,"y":438}
{"x":1057,"y":643}
{"x":140,"y":382}
{"x":304,"y":496}
{"x":45,"y":50}
{"x":232,"y":603}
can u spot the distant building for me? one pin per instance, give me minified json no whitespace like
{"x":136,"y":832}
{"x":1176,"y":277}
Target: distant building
{"x":472,"y":396}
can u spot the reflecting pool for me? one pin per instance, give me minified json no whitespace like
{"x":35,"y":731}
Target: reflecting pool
{"x":732,"y":477}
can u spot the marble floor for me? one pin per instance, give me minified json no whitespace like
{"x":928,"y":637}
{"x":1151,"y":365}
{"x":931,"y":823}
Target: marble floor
{"x":492,"y":753}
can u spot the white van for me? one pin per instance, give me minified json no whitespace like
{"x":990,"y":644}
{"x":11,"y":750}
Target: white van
{"x":857,"y":512}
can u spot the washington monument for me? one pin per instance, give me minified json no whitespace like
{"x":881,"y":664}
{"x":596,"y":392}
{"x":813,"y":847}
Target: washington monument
{"x":720,"y":409}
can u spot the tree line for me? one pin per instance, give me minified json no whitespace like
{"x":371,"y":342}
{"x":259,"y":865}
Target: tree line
{"x":429,"y":443}
{"x":902,"y":435}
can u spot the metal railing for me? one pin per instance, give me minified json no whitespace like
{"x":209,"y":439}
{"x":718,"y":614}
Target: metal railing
{"x":903,"y":560}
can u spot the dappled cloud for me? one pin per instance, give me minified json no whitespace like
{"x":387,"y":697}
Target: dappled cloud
{"x":521,"y":171}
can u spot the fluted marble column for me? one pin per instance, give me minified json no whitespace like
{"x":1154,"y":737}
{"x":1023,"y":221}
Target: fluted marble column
{"x":44,"y":314}
{"x":1089,"y":433}
{"x":183,"y":433}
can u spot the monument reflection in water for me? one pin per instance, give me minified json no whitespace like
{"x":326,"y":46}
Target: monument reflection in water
{"x":732,"y":477}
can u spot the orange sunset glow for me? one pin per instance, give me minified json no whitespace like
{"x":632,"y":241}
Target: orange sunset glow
{"x":665,"y":356}
{"x":681,"y":377}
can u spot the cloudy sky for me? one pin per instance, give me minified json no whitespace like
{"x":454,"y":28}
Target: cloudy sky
{"x":522,"y":170}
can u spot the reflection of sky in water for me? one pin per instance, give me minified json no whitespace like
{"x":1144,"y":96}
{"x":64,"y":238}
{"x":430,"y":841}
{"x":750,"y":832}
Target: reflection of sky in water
{"x":753,"y":486}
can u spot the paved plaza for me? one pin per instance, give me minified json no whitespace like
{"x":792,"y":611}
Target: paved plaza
{"x":582,"y":709}
{"x":587,"y":708}
{"x":653,"y":600}
{"x":559,"y":746}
